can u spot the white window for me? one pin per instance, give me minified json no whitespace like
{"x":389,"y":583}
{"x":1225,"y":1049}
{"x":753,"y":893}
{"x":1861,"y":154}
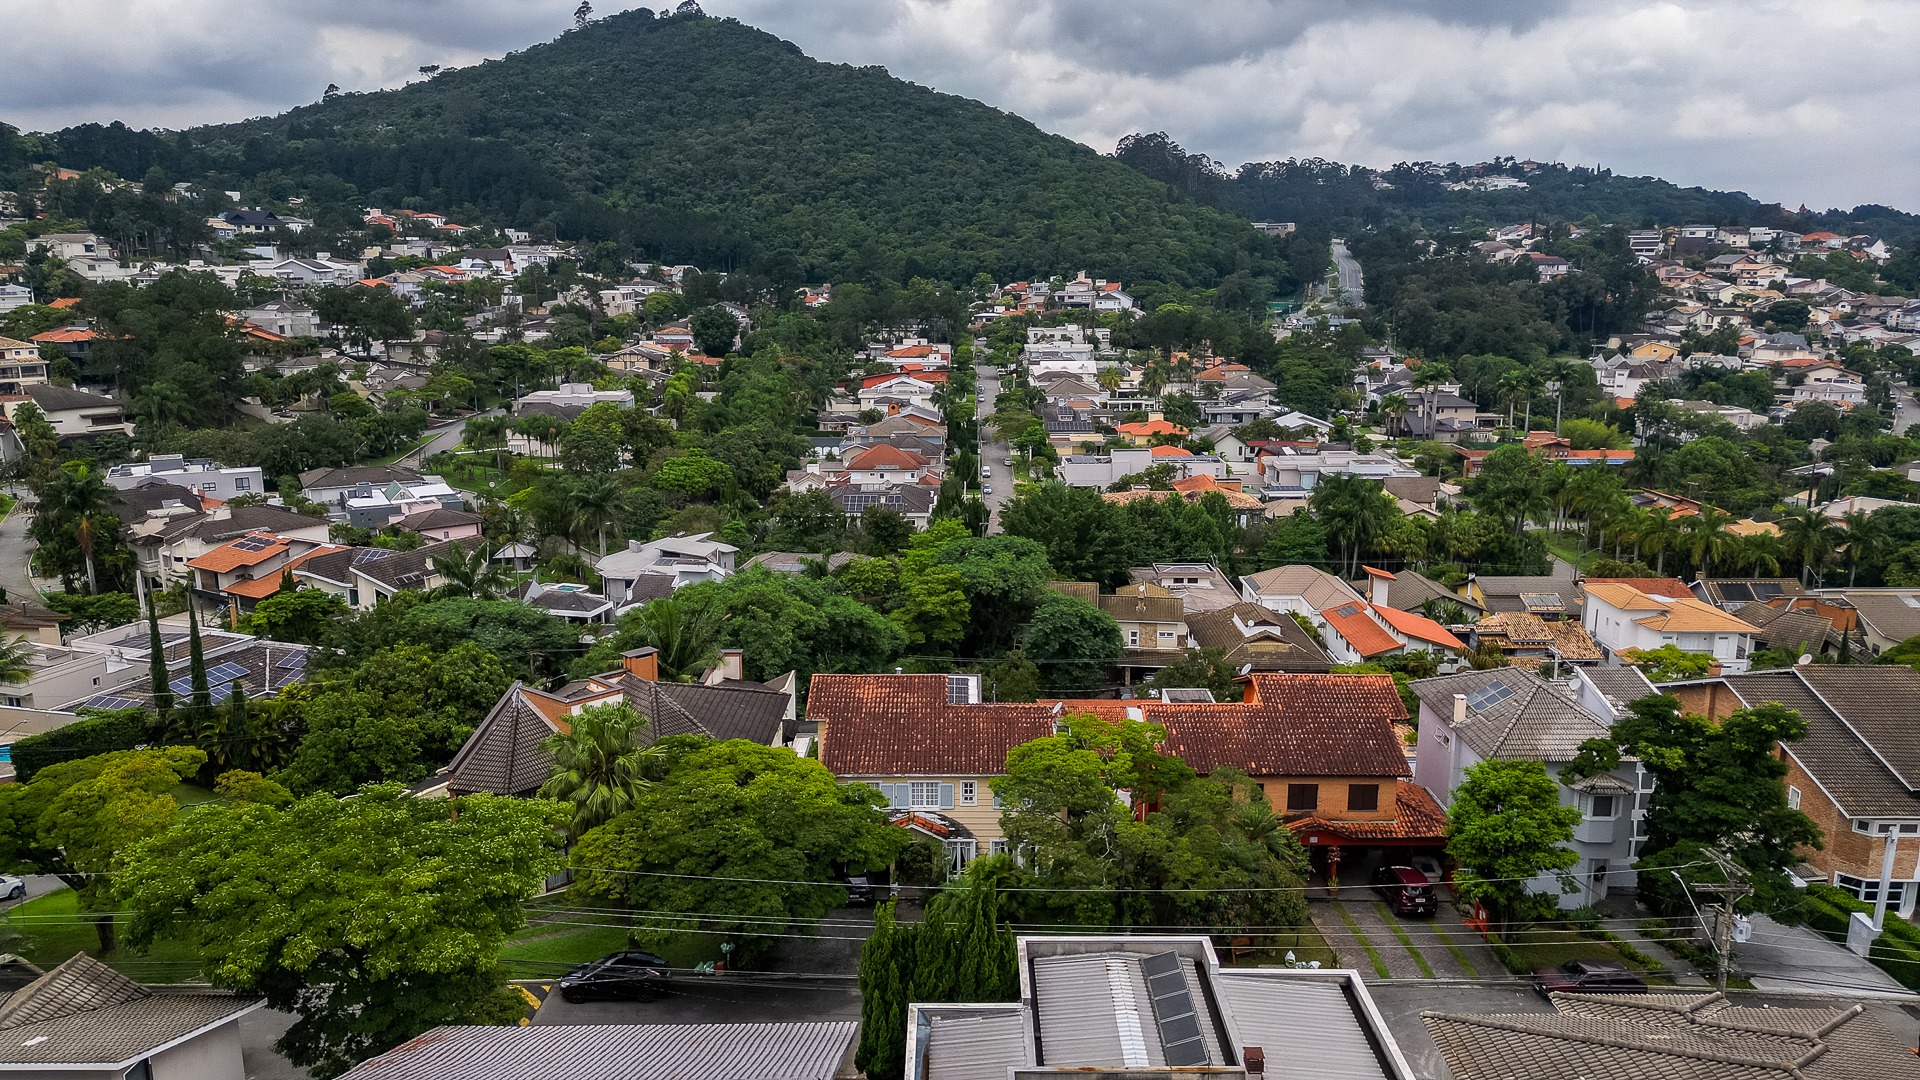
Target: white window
{"x":925,"y":795}
{"x":1600,"y":806}
{"x":1793,"y":797}
{"x":14,"y":702}
{"x":969,"y":792}
{"x":1133,"y":639}
{"x":242,"y":483}
{"x":997,"y":847}
{"x":1868,"y":889}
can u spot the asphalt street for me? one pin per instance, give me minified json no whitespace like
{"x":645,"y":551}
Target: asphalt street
{"x":15,"y":551}
{"x":37,"y":885}
{"x":1348,"y":268}
{"x":993,"y":455}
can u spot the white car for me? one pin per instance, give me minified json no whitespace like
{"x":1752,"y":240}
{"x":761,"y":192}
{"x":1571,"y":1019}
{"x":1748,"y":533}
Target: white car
{"x":12,"y":888}
{"x":986,"y":472}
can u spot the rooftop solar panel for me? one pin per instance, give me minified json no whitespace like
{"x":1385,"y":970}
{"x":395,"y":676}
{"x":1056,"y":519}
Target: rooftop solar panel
{"x":1489,"y":696}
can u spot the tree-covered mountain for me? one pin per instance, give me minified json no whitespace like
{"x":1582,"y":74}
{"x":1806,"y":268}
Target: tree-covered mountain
{"x":1350,"y":197}
{"x":692,"y":139}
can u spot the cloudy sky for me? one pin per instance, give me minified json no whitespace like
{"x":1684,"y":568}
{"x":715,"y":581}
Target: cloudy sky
{"x":1793,"y":102}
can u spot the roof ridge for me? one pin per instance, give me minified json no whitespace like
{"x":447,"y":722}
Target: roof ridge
{"x":1518,"y":1024}
{"x":79,"y":984}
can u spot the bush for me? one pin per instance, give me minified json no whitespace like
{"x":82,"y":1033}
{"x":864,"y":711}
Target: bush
{"x":1897,"y":952}
{"x":98,"y":733}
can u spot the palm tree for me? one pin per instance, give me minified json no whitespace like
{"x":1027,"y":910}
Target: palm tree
{"x":1809,"y":537}
{"x":1109,"y":379}
{"x":600,"y":764}
{"x":1393,"y":408}
{"x":1357,"y":514}
{"x":488,"y":433}
{"x":72,"y":503}
{"x":597,"y":501}
{"x":1704,"y":538}
{"x":16,"y":658}
{"x":1758,"y":553}
{"x":471,"y":571}
{"x":683,"y":633}
{"x":1865,"y":540}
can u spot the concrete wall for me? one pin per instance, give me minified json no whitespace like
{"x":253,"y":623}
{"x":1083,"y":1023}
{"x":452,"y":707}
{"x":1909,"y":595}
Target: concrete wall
{"x":212,"y":1056}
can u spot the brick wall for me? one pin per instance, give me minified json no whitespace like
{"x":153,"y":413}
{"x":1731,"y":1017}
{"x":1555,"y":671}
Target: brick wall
{"x":1846,"y":851}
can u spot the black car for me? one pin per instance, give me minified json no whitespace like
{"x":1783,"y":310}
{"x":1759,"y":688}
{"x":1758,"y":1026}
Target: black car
{"x":1589,"y":977}
{"x":636,"y":975}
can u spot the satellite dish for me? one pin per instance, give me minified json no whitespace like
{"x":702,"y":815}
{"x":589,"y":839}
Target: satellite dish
{"x":1805,"y":659}
{"x":1246,"y":669}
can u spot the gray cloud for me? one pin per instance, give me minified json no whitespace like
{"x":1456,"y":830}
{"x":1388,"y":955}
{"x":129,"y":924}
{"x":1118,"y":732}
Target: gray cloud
{"x":1702,"y":92}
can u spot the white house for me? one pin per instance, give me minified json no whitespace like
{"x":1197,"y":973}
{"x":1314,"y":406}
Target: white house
{"x":69,"y":246}
{"x":1620,"y":617}
{"x":681,"y":559}
{"x":14,"y":296}
{"x":1513,"y":714}
{"x":902,"y":389}
{"x":209,"y":478}
{"x":288,"y":318}
{"x":1297,"y":590}
{"x":73,"y":413}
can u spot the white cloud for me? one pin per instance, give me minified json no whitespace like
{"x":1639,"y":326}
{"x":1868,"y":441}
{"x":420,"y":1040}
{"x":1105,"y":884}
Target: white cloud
{"x":1790,"y":101}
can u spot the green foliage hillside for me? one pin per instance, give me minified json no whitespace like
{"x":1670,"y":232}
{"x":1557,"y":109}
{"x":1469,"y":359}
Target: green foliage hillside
{"x":704,"y":140}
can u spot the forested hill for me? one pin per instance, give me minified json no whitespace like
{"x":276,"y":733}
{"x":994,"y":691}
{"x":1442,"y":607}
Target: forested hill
{"x":706,"y":141}
{"x":1349,"y":197}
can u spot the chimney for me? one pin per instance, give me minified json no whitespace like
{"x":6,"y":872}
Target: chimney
{"x":1459,"y":709}
{"x":732,"y":664}
{"x":642,"y":663}
{"x":1255,"y":1060}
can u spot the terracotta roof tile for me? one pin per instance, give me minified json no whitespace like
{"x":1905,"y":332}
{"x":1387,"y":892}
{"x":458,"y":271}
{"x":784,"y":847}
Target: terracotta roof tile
{"x":250,"y":550}
{"x":1416,"y":817}
{"x":1355,"y":623}
{"x":1419,"y":627}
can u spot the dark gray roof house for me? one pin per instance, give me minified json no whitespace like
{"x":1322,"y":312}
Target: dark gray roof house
{"x":504,"y":754}
{"x":1256,"y":638}
{"x":84,"y":1019}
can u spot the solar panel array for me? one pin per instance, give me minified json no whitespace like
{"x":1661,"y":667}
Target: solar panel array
{"x":1538,"y":601}
{"x":256,"y":542}
{"x":1488,"y":696}
{"x":1173,"y":1010}
{"x":112,"y":701}
{"x":218,"y":678}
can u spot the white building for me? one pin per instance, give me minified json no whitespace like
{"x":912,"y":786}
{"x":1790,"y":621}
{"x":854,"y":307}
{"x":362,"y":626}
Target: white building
{"x":14,"y":296}
{"x":680,"y":560}
{"x":1102,"y":471}
{"x":1620,"y":617}
{"x":211,"y":479}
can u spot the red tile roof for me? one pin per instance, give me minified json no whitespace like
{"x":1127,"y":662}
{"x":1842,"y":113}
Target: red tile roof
{"x":1419,"y":627}
{"x":887,"y":456}
{"x":1652,"y":586}
{"x":1150,"y":427}
{"x":230,"y":557}
{"x":65,"y":334}
{"x":1291,"y":725}
{"x":1356,"y":623}
{"x":1171,"y":451}
{"x":63,"y":303}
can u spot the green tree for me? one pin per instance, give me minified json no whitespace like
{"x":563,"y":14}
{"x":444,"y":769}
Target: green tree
{"x":1358,"y":515}
{"x":751,"y":839}
{"x":74,"y":505}
{"x":1668,"y":662}
{"x":468,"y":570}
{"x":1074,"y":644}
{"x":959,"y":952}
{"x":75,"y":819}
{"x":1084,"y":539}
{"x":713,"y":329}
{"x":299,"y":904}
{"x":599,"y":764}
{"x":1012,"y":678}
{"x":394,"y":717}
{"x":1506,"y":826}
{"x":307,"y":616}
{"x":1717,"y":785}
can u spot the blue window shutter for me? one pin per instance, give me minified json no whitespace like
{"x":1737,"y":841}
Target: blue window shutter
{"x":897,"y":795}
{"x":946,"y":796}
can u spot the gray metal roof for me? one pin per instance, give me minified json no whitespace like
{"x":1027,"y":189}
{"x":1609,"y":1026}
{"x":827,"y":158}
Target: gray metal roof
{"x":805,"y":1051}
{"x":979,"y":1045}
{"x":1307,"y":1026}
{"x":1095,"y":1010}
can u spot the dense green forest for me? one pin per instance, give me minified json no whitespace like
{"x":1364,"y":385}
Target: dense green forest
{"x":1351,"y":197}
{"x":691,"y":139}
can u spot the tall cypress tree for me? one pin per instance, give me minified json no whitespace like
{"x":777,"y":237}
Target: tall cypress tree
{"x":157,"y":664}
{"x":197,"y":664}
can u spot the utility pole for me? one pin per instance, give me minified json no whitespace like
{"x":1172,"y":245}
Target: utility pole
{"x":1737,"y":887}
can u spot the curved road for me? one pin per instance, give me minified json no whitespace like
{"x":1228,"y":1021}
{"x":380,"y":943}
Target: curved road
{"x":1348,"y":268}
{"x":15,"y":551}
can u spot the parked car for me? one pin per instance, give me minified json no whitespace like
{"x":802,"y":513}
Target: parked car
{"x":1588,"y":977}
{"x":861,"y":890}
{"x":637,"y":975}
{"x":986,"y":472}
{"x":1009,"y":463}
{"x":1429,"y":866}
{"x":12,"y":888}
{"x":1405,"y":890}
{"x":986,"y":489}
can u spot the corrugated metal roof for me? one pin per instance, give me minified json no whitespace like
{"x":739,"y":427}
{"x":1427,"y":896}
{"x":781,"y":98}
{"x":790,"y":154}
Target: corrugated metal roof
{"x":977,"y":1047}
{"x":807,"y":1051}
{"x":1308,"y":1027}
{"x":1094,"y":1011}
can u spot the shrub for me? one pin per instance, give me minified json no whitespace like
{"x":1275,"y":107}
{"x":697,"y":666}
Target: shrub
{"x":99,"y":733}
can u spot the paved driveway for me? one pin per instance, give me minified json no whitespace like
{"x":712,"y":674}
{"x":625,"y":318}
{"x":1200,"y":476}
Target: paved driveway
{"x":1362,"y":930}
{"x":1794,"y":958}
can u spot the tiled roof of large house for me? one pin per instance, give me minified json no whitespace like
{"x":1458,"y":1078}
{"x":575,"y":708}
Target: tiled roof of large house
{"x":1892,"y":613}
{"x":1254,"y":636}
{"x":1557,"y":592}
{"x":1733,"y":593}
{"x":1290,"y":725}
{"x":1319,"y":589}
{"x":1417,"y":816}
{"x":1418,"y":628}
{"x":249,"y":550}
{"x":504,"y":754}
{"x":438,"y":517}
{"x":85,"y":1014}
{"x":1672,"y":588}
{"x":1785,"y":628}
{"x":358,"y":474}
{"x":1409,"y":589}
{"x":1355,"y":622}
{"x":1670,"y":1036}
{"x":807,"y":1050}
{"x":235,"y":521}
{"x":1690,"y":616}
{"x":1859,"y":744}
{"x":886,"y":456}
{"x":1512,"y":713}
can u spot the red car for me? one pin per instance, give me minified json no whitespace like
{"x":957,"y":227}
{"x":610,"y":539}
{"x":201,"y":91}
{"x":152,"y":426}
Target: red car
{"x":1588,"y":977}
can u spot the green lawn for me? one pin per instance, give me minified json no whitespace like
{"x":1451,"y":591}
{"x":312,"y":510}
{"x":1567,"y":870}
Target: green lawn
{"x":54,"y":932}
{"x":1553,"y":947}
{"x":557,"y":938}
{"x":1426,"y":969}
{"x":1565,"y":547}
{"x":1360,"y":939}
{"x":415,"y":445}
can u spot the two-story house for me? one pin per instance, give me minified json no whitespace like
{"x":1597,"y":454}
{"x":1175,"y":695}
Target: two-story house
{"x":74,"y":414}
{"x":1856,"y":772}
{"x":21,"y":365}
{"x":1512,"y":714}
{"x":1296,"y":590}
{"x":210,"y":479}
{"x":1323,"y":749}
{"x":678,"y":560}
{"x":1620,"y":617}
